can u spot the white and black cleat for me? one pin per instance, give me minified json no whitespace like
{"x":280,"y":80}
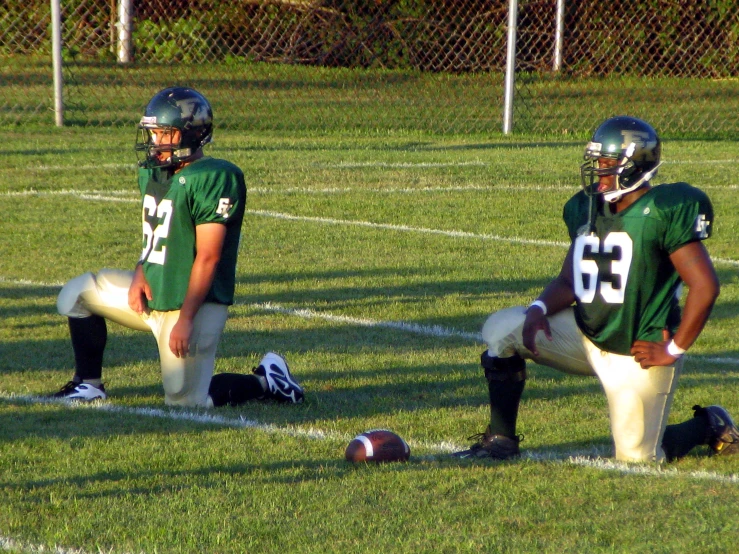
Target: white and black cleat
{"x":81,"y":392}
{"x":281,"y":384}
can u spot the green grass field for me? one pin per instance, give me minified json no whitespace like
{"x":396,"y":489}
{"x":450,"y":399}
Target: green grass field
{"x":371,"y":261}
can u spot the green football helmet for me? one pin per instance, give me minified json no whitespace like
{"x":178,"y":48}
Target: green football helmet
{"x":180,"y":108}
{"x":634,"y":145}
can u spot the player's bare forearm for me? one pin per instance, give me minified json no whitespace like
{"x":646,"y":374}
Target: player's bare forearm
{"x":559,"y":294}
{"x":695,"y":315}
{"x":697,"y":272}
{"x":201,"y":279}
{"x":209,"y":243}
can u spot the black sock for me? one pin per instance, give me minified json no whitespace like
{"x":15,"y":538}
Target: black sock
{"x":234,"y":389}
{"x":681,"y":438}
{"x":89,"y":335}
{"x":506,"y":380}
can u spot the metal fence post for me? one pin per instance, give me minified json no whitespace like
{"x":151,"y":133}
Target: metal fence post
{"x":510,"y":69}
{"x":559,"y":35}
{"x":124,"y":26}
{"x":56,"y":56}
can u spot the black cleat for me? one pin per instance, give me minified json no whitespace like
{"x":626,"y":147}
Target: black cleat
{"x":723,"y":436}
{"x":496,"y":447}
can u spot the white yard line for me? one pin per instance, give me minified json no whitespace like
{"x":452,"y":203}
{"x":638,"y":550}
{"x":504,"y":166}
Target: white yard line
{"x":407,"y":190}
{"x":310,"y":313}
{"x":202,"y":417}
{"x":650,"y":470}
{"x":371,"y":164}
{"x":593,"y":459}
{"x":448,"y":233}
{"x":12,"y":545}
{"x":399,"y":165}
{"x":104,"y":194}
{"x":405,"y":228}
{"x":701,"y":162}
{"x":120,"y":196}
{"x":428,"y":330}
{"x":432,"y":331}
{"x":132,"y":195}
{"x":87,"y":167}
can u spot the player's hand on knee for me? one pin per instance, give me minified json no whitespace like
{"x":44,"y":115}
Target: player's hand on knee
{"x":179,"y":337}
{"x":139,"y":292}
{"x":535,"y":321}
{"x":137,"y":300}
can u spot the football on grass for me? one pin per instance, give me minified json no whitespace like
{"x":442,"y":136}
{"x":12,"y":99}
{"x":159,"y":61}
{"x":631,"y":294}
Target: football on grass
{"x":377,"y":445}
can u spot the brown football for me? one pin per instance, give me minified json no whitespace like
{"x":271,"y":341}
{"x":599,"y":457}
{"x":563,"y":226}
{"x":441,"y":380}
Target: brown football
{"x":377,"y":445}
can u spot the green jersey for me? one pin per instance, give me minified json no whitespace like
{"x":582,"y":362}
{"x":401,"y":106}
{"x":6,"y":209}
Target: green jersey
{"x":208,"y":190}
{"x":626,"y":287}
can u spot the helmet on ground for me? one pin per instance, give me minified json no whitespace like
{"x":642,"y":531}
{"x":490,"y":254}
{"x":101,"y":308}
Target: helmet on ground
{"x":169,"y":111}
{"x":635,"y":149}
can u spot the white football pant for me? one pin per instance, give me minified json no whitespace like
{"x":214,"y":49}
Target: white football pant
{"x":638,"y":399}
{"x":185,"y":380}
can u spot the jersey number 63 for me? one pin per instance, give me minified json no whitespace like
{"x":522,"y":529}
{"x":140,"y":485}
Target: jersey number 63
{"x":616,"y":247}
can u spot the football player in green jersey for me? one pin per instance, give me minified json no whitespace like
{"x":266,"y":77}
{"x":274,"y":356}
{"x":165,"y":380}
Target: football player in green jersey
{"x":613,"y":311}
{"x":192,"y":209}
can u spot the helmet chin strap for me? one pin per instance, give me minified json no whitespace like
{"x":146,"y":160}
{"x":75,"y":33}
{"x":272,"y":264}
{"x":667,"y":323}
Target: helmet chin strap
{"x":615,"y":195}
{"x":182,"y":153}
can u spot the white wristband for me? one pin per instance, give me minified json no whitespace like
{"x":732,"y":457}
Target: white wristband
{"x":540,"y":305}
{"x":674,"y":350}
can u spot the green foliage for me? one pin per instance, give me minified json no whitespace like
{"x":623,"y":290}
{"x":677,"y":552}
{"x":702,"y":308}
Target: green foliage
{"x":181,"y":40}
{"x":25,"y":27}
{"x":657,"y":38}
{"x":692,"y":38}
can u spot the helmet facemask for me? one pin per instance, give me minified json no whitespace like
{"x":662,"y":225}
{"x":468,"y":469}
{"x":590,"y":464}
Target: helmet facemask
{"x":150,"y":145}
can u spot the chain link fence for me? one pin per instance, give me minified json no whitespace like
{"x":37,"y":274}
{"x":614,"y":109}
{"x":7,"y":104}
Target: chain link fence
{"x":372,"y":65}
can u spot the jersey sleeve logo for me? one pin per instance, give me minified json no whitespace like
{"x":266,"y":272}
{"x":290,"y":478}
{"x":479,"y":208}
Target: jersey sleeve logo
{"x":701,"y":226}
{"x":224,"y":207}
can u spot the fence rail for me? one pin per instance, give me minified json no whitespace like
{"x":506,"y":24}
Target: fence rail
{"x":434,"y":65}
